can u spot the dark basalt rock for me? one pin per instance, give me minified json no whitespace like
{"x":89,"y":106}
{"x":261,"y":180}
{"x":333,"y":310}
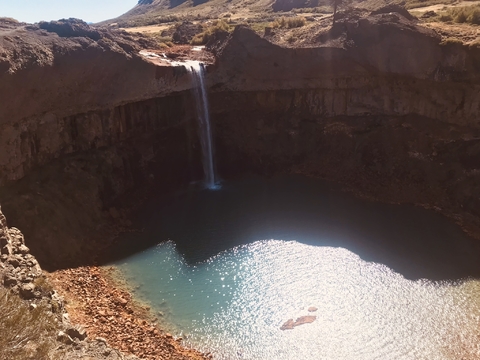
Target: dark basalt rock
{"x":70,"y":28}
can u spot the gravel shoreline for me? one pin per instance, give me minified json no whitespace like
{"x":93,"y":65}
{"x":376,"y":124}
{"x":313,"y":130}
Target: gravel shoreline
{"x":94,"y":300}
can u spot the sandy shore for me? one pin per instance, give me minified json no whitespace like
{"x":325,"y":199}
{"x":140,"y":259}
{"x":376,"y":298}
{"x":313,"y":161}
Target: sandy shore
{"x":109,"y":312}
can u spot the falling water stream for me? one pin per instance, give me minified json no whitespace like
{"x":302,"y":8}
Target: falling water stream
{"x":198,"y":75}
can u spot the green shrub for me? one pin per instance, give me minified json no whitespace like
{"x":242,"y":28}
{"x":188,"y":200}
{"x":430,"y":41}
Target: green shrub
{"x":460,"y":17}
{"x":445,"y":17}
{"x":26,"y":333}
{"x":474,"y":16}
{"x":209,"y":31}
{"x":289,"y":23}
{"x":162,"y":41}
{"x":465,"y":14}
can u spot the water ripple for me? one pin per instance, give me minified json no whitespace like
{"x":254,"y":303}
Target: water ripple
{"x":234,"y":304}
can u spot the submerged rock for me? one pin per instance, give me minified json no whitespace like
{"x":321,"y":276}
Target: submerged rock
{"x":290,"y":324}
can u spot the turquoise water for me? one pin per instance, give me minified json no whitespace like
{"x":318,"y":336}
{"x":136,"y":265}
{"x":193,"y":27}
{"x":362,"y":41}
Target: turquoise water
{"x":389,"y":282}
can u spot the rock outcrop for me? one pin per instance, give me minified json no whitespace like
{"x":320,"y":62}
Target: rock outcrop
{"x":21,"y":274}
{"x":91,"y":115}
{"x":18,"y":268}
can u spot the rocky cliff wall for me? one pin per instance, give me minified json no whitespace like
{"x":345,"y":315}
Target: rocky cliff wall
{"x":378,"y":104}
{"x":382,"y":64}
{"x":81,"y":165}
{"x":406,"y":158}
{"x":61,"y":86}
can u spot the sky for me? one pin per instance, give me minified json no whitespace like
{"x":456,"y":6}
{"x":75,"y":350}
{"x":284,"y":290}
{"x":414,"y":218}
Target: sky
{"x":88,"y":10}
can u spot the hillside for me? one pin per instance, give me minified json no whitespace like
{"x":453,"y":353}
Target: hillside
{"x":150,"y":12}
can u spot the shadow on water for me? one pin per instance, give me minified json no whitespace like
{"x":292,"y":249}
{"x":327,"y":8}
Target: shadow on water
{"x":412,"y":241}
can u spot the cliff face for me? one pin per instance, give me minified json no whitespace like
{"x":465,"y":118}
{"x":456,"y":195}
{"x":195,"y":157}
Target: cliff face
{"x":380,"y":106}
{"x":81,"y":164}
{"x":56,"y":88}
{"x":377,"y":104}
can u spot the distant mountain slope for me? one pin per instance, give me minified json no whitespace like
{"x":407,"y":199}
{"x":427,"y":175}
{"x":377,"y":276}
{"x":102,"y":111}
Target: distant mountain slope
{"x":151,"y":10}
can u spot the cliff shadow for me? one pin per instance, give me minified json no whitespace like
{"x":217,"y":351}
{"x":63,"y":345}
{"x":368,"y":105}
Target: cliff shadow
{"x":412,"y":241}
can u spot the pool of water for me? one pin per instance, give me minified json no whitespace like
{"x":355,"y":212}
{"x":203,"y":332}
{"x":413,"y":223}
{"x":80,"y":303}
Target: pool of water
{"x":388,"y":282}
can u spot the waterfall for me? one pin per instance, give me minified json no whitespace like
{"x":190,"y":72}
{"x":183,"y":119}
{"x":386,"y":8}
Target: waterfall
{"x":197,"y":70}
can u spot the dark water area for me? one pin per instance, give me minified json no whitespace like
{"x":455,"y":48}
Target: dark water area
{"x":417,"y":243}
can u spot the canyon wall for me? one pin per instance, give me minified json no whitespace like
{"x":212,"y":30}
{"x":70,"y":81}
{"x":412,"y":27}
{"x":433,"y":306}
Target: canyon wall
{"x":84,"y":120}
{"x":379,"y":105}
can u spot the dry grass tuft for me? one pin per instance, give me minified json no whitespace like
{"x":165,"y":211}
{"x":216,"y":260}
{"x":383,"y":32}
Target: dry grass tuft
{"x":26,"y":333}
{"x":451,"y":41}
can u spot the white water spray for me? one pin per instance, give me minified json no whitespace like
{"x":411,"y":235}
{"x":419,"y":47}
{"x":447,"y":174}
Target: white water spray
{"x":197,"y":70}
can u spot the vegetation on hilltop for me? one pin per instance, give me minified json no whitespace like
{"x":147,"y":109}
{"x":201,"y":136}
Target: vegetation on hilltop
{"x":210,"y":30}
{"x":464,"y":14}
{"x":289,"y":22}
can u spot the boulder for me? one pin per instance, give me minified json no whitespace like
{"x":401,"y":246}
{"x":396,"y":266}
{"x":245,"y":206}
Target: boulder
{"x":14,"y":261}
{"x":64,"y":338}
{"x":9,"y":280}
{"x":76,"y":332}
{"x":22,"y":249}
{"x":428,"y":14}
{"x":27,"y":291}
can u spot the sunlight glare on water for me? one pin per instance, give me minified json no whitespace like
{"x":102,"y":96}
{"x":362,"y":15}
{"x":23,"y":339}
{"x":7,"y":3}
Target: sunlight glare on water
{"x":234,"y":304}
